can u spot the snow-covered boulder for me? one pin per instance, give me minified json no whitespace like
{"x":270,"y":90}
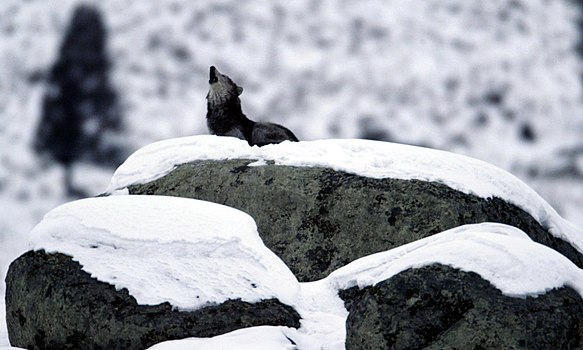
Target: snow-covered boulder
{"x":322,"y":204}
{"x":439,"y":307}
{"x":132,"y":271}
{"x":484,"y":286}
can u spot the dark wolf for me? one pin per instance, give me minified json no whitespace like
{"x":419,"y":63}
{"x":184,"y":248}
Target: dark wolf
{"x":225,"y":118}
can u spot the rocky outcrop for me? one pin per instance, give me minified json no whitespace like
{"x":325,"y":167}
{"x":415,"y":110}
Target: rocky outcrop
{"x":318,"y":220}
{"x":51,"y":303}
{"x":439,"y":307}
{"x":310,"y":216}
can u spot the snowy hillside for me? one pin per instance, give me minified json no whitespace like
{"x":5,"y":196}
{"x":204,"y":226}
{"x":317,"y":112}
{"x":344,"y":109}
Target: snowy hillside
{"x":496,"y":80}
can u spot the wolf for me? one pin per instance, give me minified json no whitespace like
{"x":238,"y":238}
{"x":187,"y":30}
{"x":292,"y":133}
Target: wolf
{"x":225,"y":117}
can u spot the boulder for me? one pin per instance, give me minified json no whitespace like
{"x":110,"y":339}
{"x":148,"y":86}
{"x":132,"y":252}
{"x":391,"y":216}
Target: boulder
{"x":52,"y":303}
{"x":318,"y":219}
{"x":128,"y":272}
{"x":440,"y":307}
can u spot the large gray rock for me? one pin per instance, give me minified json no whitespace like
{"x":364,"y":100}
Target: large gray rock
{"x":439,"y":307}
{"x":318,"y":219}
{"x":52,"y":304}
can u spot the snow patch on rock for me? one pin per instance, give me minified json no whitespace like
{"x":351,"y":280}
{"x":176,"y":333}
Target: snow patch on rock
{"x":166,"y":249}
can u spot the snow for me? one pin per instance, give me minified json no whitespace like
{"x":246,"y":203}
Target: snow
{"x":192,"y":253}
{"x":323,"y":324}
{"x":363,"y":157}
{"x":165,"y":249}
{"x":254,"y":338}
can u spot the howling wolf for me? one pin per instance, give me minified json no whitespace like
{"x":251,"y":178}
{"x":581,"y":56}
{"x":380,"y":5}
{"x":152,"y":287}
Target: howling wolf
{"x":225,"y":118}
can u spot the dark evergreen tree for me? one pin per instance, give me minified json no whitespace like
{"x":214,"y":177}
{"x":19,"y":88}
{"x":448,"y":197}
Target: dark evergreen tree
{"x":80,"y":115}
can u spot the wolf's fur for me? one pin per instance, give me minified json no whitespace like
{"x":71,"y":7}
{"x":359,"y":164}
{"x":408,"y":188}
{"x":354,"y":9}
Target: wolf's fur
{"x":225,"y":118}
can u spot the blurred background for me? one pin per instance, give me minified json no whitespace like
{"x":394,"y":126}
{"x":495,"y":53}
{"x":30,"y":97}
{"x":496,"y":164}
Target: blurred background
{"x":85,"y":84}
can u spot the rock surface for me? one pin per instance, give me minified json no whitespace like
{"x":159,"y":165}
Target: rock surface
{"x":310,"y":216}
{"x":52,"y":303}
{"x":439,"y":307}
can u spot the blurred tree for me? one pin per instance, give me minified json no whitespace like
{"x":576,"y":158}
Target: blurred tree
{"x":80,"y":115}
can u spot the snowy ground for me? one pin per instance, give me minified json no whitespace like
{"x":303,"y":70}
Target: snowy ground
{"x":254,"y":338}
{"x":496,"y":80}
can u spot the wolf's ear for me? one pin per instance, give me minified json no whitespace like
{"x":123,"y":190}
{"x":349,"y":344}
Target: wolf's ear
{"x":239,"y":90}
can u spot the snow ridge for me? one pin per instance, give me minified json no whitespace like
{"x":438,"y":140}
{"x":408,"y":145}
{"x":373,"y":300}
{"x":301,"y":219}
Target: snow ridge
{"x":186,"y":252}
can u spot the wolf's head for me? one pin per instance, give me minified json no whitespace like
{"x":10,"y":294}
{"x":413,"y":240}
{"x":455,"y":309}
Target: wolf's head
{"x":222,"y":88}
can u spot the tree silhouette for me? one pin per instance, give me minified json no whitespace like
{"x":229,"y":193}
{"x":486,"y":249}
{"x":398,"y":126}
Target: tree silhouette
{"x":80,"y":114}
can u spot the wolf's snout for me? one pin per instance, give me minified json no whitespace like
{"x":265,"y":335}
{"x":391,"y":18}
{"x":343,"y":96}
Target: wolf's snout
{"x":213,"y":75}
